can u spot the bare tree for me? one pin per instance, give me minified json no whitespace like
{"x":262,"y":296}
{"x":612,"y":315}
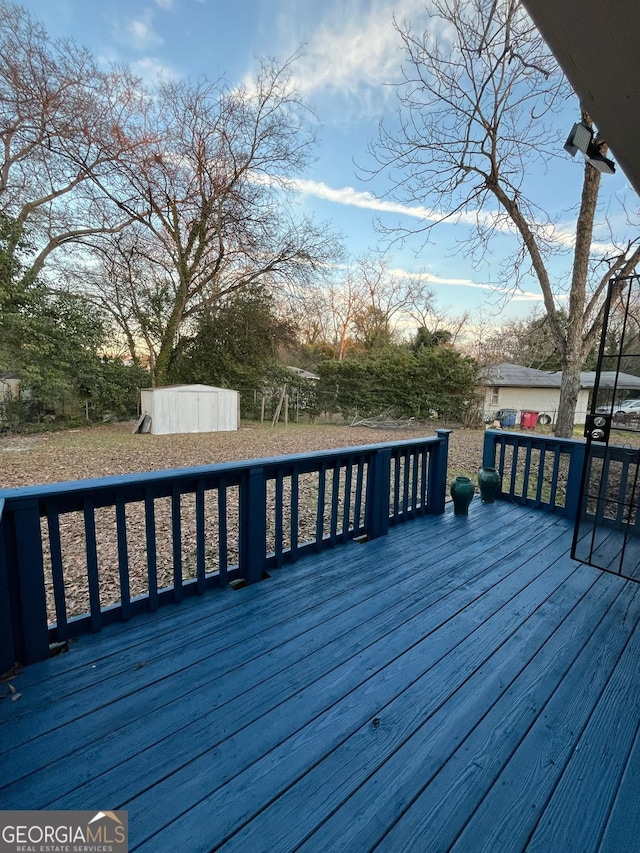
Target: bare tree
{"x":131,"y":280}
{"x":63,"y":124}
{"x":479,"y":89}
{"x":212,"y":193}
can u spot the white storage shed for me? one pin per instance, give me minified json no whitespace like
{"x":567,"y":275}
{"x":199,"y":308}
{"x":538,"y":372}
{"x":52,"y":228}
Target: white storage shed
{"x":189,"y":408}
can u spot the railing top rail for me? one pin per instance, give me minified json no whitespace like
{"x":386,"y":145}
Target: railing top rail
{"x":175,"y":475}
{"x":531,"y":438}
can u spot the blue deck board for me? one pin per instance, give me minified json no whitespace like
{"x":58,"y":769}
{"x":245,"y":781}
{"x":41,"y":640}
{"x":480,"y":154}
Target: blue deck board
{"x":233,"y":635}
{"x":426,"y":687}
{"x":336,"y":706}
{"x":376,"y":618}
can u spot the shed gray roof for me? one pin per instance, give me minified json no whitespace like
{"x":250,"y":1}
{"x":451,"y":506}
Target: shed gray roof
{"x":516,"y":376}
{"x":194,"y":387}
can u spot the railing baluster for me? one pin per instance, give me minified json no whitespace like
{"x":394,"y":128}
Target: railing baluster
{"x":223,"y":560}
{"x":92,"y":565}
{"x":514,"y":466}
{"x":414,"y":483}
{"x":57,"y":572}
{"x":555,"y":475}
{"x":200,"y":539}
{"x":152,"y":555}
{"x":335,"y":494}
{"x":425,"y":464}
{"x":405,"y":484}
{"x":123,"y":558}
{"x":295,"y":522}
{"x":278,"y":519}
{"x":623,"y":503}
{"x":176,"y":533}
{"x":346,"y":507}
{"x":540,"y":476}
{"x":357,"y":510}
{"x":322,"y":477}
{"x":527,"y":469}
{"x":396,"y":484}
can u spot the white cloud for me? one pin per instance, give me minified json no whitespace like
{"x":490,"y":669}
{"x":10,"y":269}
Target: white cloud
{"x":518,"y":296}
{"x":153,"y":71}
{"x":138,"y":32}
{"x":356,"y":198}
{"x":165,"y":4}
{"x":355,"y":45}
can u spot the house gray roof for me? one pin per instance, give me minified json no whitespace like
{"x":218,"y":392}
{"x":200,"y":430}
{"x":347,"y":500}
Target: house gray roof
{"x":303,"y":374}
{"x":516,"y":376}
{"x":626,"y":382}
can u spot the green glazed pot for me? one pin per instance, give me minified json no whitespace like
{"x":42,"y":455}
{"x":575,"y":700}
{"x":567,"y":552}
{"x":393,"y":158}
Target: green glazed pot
{"x":489,"y":483}
{"x":462,"y":491}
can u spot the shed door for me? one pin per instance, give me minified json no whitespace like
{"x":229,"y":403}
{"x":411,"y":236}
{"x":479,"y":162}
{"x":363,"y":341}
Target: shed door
{"x":207,"y":412}
{"x":607,"y":530}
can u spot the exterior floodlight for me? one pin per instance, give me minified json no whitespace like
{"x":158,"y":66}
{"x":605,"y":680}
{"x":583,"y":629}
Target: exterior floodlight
{"x":581,"y":139}
{"x":599,"y":161}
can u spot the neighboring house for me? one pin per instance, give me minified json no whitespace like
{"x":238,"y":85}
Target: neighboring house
{"x":9,"y":386}
{"x":511,"y":386}
{"x":304,"y":374}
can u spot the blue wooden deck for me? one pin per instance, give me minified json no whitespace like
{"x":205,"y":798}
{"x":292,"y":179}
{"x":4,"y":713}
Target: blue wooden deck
{"x":457,"y":684}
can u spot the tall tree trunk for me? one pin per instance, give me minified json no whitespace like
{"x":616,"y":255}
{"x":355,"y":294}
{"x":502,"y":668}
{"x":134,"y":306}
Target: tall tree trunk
{"x":569,"y":389}
{"x":574,"y":345}
{"x":161,"y":367}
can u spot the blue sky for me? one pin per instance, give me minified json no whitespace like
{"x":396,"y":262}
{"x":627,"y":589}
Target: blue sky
{"x":350,"y":50}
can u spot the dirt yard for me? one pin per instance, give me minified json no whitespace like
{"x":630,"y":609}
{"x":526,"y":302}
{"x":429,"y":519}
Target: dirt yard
{"x":112,"y":450}
{"x":107,"y":450}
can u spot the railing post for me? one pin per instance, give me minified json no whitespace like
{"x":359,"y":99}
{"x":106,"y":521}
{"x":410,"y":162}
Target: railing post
{"x":574,"y":480}
{"x":489,"y":449}
{"x":252,"y":545}
{"x":378,"y":489}
{"x":23,"y":571}
{"x":437,"y":486}
{"x":7,"y":605}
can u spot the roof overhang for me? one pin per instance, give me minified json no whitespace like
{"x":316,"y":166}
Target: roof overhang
{"x":596,"y":43}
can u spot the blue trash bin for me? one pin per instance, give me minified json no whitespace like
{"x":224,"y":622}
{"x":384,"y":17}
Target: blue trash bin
{"x":507,"y":418}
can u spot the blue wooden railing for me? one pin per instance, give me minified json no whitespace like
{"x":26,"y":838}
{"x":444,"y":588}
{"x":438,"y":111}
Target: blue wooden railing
{"x":219,"y":524}
{"x":612,"y":487}
{"x":537,"y":470}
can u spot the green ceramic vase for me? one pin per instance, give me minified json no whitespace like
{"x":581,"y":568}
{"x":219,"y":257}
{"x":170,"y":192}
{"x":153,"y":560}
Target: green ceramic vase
{"x":489,"y":483}
{"x":462,"y":491}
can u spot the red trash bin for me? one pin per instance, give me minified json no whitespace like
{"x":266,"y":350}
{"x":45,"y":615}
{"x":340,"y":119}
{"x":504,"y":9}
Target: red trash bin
{"x":528,"y":420}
